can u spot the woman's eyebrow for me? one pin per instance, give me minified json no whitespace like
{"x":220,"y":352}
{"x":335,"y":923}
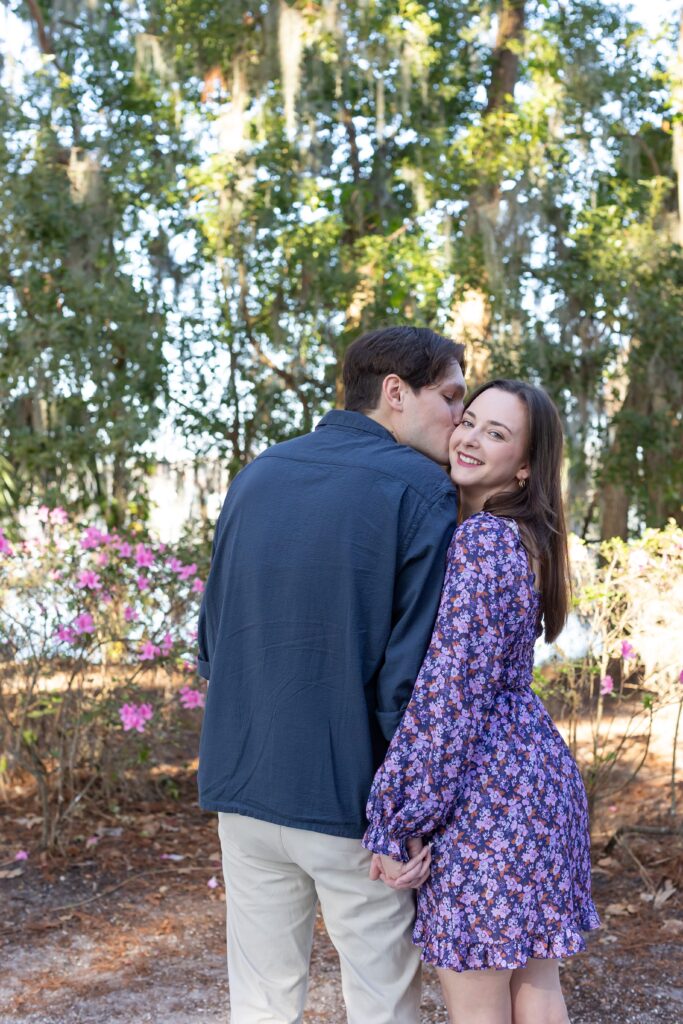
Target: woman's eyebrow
{"x":496,"y":423}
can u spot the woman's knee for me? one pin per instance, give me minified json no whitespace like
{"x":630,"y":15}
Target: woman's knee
{"x":536,"y":994}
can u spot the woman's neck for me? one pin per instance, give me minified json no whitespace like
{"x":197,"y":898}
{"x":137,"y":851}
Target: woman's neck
{"x":469,"y":505}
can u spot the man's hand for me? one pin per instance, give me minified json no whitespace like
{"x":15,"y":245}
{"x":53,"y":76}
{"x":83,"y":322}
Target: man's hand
{"x":397,"y":875}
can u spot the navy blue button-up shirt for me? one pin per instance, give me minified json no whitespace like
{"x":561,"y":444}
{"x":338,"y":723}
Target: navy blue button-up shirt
{"x":328,"y":562}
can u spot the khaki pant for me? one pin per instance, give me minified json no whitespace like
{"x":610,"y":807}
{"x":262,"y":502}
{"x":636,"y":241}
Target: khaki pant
{"x":274,"y":877}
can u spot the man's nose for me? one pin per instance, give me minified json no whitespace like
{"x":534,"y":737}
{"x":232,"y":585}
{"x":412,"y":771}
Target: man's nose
{"x":458,"y":411}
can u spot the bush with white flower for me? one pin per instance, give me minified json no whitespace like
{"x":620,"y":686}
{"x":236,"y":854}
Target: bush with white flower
{"x":629,"y":597}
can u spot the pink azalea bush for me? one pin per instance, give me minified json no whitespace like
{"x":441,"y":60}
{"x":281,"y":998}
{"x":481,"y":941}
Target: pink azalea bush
{"x":191,"y":698}
{"x":79,"y":603}
{"x":135,"y":716}
{"x":607,"y":685}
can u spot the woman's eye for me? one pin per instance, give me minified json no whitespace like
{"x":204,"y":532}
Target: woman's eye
{"x":466,"y":423}
{"x":494,"y":433}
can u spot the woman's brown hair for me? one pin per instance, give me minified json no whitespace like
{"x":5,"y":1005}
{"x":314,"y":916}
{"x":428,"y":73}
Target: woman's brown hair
{"x":538,"y":507}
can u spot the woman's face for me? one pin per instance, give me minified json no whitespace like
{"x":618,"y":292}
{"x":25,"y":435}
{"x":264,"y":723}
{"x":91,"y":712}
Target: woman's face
{"x":488,"y":450}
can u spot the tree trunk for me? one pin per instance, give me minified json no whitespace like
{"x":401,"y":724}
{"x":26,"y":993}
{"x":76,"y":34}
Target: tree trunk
{"x":614,"y":507}
{"x":472,"y":312}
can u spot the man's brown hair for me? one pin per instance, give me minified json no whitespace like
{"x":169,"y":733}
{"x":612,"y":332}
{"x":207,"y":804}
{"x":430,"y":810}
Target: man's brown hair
{"x":418,"y":355}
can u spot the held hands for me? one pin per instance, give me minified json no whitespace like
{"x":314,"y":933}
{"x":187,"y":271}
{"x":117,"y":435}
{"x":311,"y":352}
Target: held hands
{"x":403,"y":876}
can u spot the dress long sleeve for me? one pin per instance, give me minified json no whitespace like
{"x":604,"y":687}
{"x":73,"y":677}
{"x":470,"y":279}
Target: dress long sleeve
{"x":416,"y":788}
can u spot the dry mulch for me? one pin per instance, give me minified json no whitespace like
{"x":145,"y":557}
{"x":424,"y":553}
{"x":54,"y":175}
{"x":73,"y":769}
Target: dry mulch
{"x":124,"y":926}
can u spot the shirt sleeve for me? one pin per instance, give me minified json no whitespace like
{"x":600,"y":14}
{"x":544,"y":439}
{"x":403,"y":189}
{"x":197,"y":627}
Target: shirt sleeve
{"x":417,"y":591}
{"x":205,"y":630}
{"x":416,"y":787}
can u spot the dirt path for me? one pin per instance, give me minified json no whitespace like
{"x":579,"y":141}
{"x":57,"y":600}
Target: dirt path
{"x":125,"y":927}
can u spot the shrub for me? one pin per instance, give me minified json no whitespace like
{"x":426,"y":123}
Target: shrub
{"x":88,"y":618}
{"x":629,"y":601}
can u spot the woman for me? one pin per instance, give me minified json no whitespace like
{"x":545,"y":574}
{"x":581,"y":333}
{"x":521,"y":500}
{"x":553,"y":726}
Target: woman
{"x":477,"y":767}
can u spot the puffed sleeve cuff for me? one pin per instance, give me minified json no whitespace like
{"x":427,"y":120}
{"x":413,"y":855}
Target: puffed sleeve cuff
{"x":203,"y":668}
{"x":378,"y":840}
{"x":389,"y":722}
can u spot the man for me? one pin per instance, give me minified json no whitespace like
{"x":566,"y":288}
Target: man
{"x":327,"y":568}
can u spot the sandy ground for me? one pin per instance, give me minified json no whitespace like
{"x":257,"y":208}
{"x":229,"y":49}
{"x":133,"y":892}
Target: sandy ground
{"x":127,"y":923}
{"x":124,"y":933}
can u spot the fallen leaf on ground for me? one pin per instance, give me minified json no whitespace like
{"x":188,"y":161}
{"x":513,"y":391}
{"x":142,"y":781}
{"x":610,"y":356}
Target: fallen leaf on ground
{"x":608,"y":862}
{"x":617,"y":909}
{"x":664,"y":892}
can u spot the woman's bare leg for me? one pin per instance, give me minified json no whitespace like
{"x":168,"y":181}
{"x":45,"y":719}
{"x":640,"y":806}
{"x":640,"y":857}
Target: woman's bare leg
{"x":537,"y":994}
{"x":477,"y":997}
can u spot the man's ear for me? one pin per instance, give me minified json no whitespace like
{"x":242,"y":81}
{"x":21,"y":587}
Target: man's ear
{"x":393,"y":389}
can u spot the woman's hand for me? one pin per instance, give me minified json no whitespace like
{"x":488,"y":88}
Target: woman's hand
{"x":397,"y":875}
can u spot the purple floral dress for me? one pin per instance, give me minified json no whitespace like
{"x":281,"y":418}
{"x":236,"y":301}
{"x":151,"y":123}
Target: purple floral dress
{"x":478,"y":767}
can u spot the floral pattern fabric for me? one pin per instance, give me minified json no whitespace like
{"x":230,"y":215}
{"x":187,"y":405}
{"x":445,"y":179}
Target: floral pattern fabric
{"x":478,"y":768}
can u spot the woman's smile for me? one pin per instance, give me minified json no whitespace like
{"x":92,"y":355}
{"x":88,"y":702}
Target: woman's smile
{"x":468,"y":460}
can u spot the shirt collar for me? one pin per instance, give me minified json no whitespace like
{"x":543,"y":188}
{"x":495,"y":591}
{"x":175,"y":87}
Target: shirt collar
{"x":355,"y":421}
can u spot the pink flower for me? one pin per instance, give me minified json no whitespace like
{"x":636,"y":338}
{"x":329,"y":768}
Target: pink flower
{"x":148,"y":651}
{"x":83,"y":623}
{"x":103,"y":558}
{"x":92,"y":840}
{"x":144,"y":557}
{"x":167,"y":645}
{"x":174,"y":564}
{"x":186,"y":571}
{"x":142,"y":582}
{"x":187,"y":666}
{"x":213,"y":882}
{"x":5,"y":546}
{"x":89,"y":580}
{"x":124,"y":549}
{"x":627,"y":651}
{"x":130,"y":615}
{"x":65,"y":634}
{"x":194,"y":634}
{"x":43,"y":514}
{"x":680,"y":678}
{"x":135,"y":716}
{"x":59,"y":516}
{"x":105,"y":597}
{"x":93,"y":538}
{"x":607,"y":685}
{"x":191,"y":698}
{"x":197,"y":585}
{"x":21,"y":855}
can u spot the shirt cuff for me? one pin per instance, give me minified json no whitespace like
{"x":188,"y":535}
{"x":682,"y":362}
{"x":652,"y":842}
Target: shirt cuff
{"x":378,"y":840}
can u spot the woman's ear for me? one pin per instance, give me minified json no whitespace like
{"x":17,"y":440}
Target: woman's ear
{"x":522,"y":474}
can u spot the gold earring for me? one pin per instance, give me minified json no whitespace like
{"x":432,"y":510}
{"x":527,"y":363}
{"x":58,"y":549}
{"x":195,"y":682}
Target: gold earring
{"x":521,"y":483}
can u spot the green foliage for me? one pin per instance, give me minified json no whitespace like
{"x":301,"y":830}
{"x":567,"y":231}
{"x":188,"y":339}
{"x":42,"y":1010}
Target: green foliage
{"x":202,"y":204}
{"x":87,"y":193}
